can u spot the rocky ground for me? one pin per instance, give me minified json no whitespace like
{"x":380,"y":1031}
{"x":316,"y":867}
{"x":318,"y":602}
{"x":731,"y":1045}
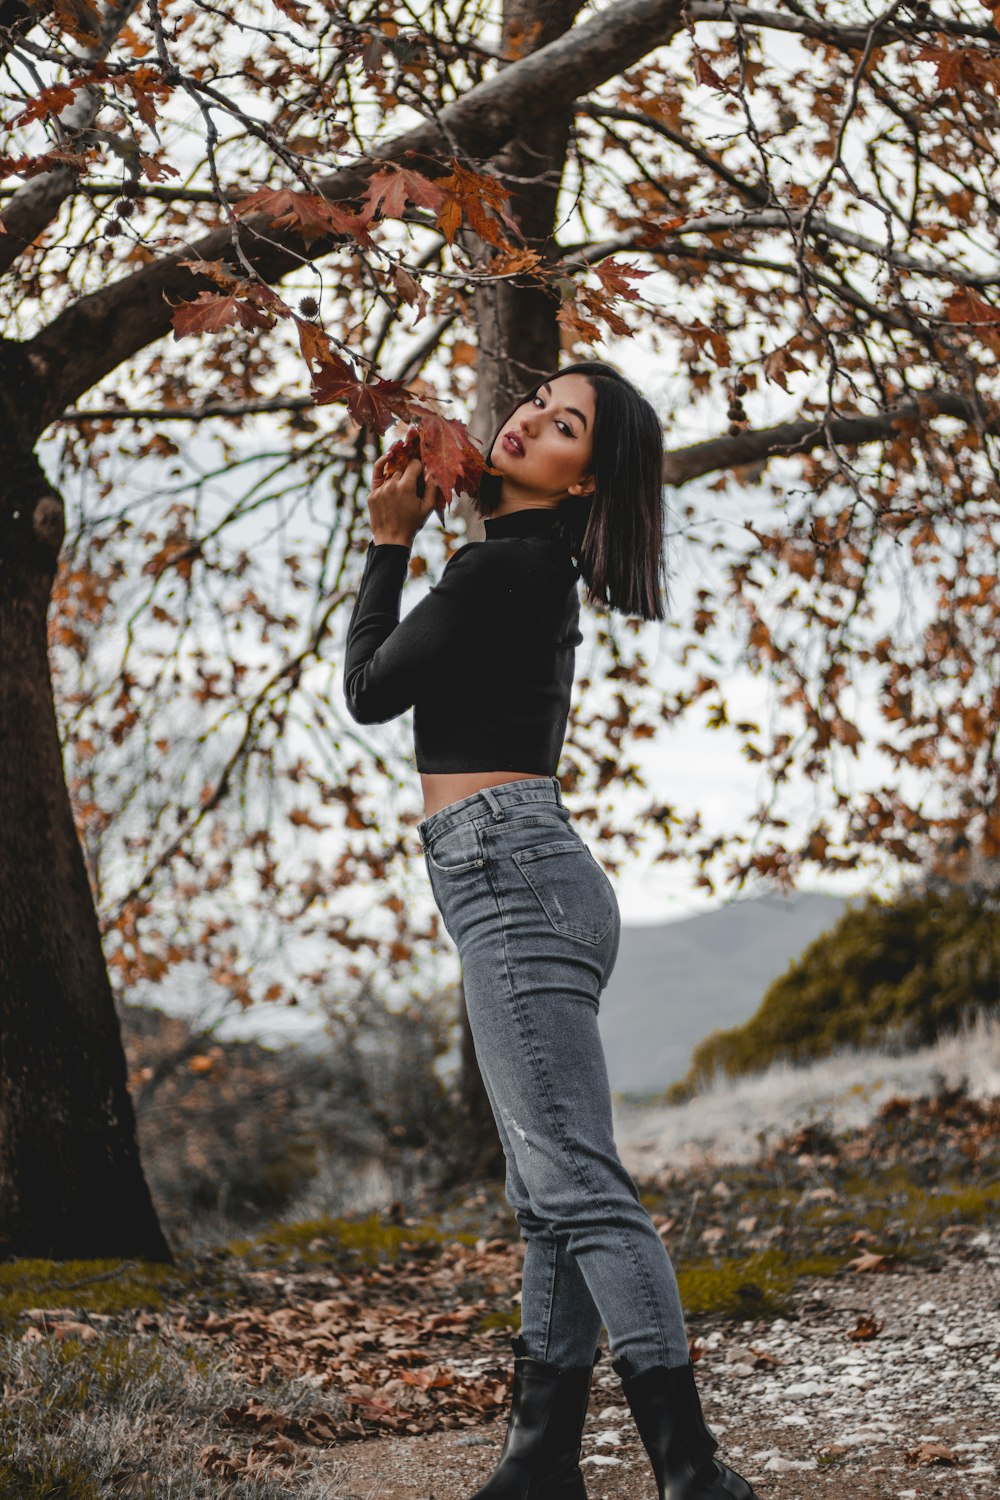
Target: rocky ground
{"x":882,"y":1387}
{"x":843,"y":1302}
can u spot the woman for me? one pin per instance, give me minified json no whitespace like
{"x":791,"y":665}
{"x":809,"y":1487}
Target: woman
{"x":486,"y":661}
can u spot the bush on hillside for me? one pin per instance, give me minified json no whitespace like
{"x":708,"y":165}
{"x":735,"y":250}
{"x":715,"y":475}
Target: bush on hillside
{"x":901,"y":973}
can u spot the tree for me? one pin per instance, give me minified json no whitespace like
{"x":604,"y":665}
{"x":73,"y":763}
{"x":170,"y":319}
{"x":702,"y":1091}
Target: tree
{"x":794,"y":206}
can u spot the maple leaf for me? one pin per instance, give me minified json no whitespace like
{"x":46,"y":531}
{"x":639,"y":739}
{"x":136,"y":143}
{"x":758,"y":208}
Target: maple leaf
{"x":410,"y":290}
{"x":256,"y":292}
{"x":705,"y":73}
{"x":777,"y":365}
{"x":50,"y":101}
{"x":514,"y":262}
{"x":964,"y":306}
{"x":156,"y":170}
{"x":450,"y":458}
{"x":870,"y":1260}
{"x":389,"y":192}
{"x":210,"y":312}
{"x":312,"y":215}
{"x":376,"y":403}
{"x":931,"y":1453}
{"x":146,"y":84}
{"x":615,"y":275}
{"x":474,"y":195}
{"x":215,"y":272}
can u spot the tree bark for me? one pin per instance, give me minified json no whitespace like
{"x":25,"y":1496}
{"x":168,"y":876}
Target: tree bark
{"x":518,"y":342}
{"x":71,"y":1184}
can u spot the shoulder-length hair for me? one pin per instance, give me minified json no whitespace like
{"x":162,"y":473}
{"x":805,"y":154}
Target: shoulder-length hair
{"x":615,"y":534}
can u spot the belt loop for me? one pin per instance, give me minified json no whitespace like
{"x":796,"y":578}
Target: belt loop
{"x":498,"y":812}
{"x":556,"y":788}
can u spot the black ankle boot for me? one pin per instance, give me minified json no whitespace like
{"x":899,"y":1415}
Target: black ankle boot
{"x":541,"y":1452}
{"x":667,"y":1412}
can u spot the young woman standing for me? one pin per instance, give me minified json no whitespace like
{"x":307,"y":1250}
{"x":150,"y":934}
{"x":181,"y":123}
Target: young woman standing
{"x":486,"y":661}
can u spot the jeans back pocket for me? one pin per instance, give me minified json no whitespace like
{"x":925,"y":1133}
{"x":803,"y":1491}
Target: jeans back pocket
{"x":572,"y":889}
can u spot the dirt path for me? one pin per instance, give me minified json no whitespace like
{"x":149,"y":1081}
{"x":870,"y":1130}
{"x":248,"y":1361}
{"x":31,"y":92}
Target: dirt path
{"x":800,"y":1407}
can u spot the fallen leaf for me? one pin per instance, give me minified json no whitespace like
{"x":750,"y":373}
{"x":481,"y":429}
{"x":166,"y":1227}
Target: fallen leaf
{"x":871,"y":1260}
{"x":866,"y":1327}
{"x":931,"y":1453}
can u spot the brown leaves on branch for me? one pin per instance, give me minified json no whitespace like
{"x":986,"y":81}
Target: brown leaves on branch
{"x":81,"y":18}
{"x":479,"y":199}
{"x":450,"y":458}
{"x":390,"y":191}
{"x":210,"y":312}
{"x":375,"y":404}
{"x":311,"y":215}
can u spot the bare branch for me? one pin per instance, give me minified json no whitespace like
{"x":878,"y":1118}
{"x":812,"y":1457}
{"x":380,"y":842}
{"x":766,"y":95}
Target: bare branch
{"x":849,"y":38}
{"x":788,"y":219}
{"x":201,"y":413}
{"x":754,"y":192}
{"x":758,"y":447}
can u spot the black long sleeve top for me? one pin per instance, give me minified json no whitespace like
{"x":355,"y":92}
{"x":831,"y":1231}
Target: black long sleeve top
{"x":485,"y":660}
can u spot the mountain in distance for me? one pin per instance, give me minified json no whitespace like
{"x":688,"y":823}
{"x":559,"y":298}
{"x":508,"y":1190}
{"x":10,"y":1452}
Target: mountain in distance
{"x":674,"y":982}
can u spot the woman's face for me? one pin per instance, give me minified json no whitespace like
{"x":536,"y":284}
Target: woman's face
{"x":544,"y":450}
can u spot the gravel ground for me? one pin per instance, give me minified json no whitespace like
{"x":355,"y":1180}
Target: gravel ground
{"x":883,"y":1386}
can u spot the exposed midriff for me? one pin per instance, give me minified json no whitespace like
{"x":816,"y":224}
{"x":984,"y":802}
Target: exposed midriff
{"x":441,"y":788}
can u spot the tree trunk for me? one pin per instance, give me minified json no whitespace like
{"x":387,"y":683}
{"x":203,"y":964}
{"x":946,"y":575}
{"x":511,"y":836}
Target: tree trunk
{"x":476,"y":1154}
{"x":518,"y":343}
{"x":71,"y":1184}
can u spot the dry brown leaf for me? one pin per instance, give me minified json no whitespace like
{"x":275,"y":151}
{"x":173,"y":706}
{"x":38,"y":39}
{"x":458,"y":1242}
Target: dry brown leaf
{"x":931,"y":1453}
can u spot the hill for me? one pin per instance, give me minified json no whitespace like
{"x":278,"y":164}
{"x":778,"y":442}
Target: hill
{"x":674,"y":982}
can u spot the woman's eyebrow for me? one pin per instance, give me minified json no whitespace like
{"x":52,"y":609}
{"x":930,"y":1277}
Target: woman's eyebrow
{"x":545,"y":386}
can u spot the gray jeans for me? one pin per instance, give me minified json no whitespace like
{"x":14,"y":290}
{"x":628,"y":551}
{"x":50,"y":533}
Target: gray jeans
{"x":536,"y":923}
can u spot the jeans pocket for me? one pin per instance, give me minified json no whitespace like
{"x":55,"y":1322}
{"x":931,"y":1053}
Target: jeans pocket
{"x":572,"y":889}
{"x":455,"y":849}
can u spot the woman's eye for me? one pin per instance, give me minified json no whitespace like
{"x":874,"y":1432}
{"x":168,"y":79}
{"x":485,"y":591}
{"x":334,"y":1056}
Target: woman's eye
{"x":565,"y":429}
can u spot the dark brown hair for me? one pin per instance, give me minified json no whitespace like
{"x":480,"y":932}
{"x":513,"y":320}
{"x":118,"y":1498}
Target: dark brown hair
{"x":616,"y":534}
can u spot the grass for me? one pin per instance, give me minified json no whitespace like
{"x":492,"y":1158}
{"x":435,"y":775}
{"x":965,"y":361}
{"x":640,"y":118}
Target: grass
{"x":138,"y":1412}
{"x":94,"y":1286}
{"x":364,"y":1241}
{"x":749,"y":1286}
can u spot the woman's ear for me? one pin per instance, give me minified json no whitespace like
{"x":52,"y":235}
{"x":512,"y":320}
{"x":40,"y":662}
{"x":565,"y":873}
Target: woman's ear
{"x":583,"y":486}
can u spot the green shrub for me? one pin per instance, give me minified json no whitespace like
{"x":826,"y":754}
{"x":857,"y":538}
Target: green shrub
{"x":904,"y":972}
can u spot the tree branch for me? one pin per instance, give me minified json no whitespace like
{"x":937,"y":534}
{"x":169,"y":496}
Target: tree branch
{"x":849,"y":38}
{"x":201,"y":413}
{"x":17,"y":16}
{"x":698,"y":459}
{"x":753,"y":192}
{"x":35,"y":204}
{"x":99,"y":332}
{"x":411,"y":366}
{"x":821,"y":227}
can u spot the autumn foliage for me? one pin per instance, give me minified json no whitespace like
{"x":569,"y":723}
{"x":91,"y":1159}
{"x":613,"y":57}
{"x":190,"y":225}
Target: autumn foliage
{"x":249,"y":246}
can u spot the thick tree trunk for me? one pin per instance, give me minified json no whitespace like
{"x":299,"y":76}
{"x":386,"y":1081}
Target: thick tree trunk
{"x":71,"y":1184}
{"x":518,"y":343}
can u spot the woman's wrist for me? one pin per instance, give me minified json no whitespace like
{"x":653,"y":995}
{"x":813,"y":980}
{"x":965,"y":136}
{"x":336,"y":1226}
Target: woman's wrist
{"x":384,"y":538}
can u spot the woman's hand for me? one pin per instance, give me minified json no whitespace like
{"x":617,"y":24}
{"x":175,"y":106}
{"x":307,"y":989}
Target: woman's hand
{"x":399,"y":503}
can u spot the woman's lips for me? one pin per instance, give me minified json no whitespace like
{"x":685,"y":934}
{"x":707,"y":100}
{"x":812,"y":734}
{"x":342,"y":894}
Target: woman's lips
{"x":513,"y":444}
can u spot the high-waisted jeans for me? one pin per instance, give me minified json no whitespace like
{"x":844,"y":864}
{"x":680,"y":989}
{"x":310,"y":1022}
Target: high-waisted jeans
{"x":536,"y":924}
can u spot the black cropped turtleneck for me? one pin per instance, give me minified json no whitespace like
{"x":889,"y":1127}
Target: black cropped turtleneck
{"x":485,"y":659}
